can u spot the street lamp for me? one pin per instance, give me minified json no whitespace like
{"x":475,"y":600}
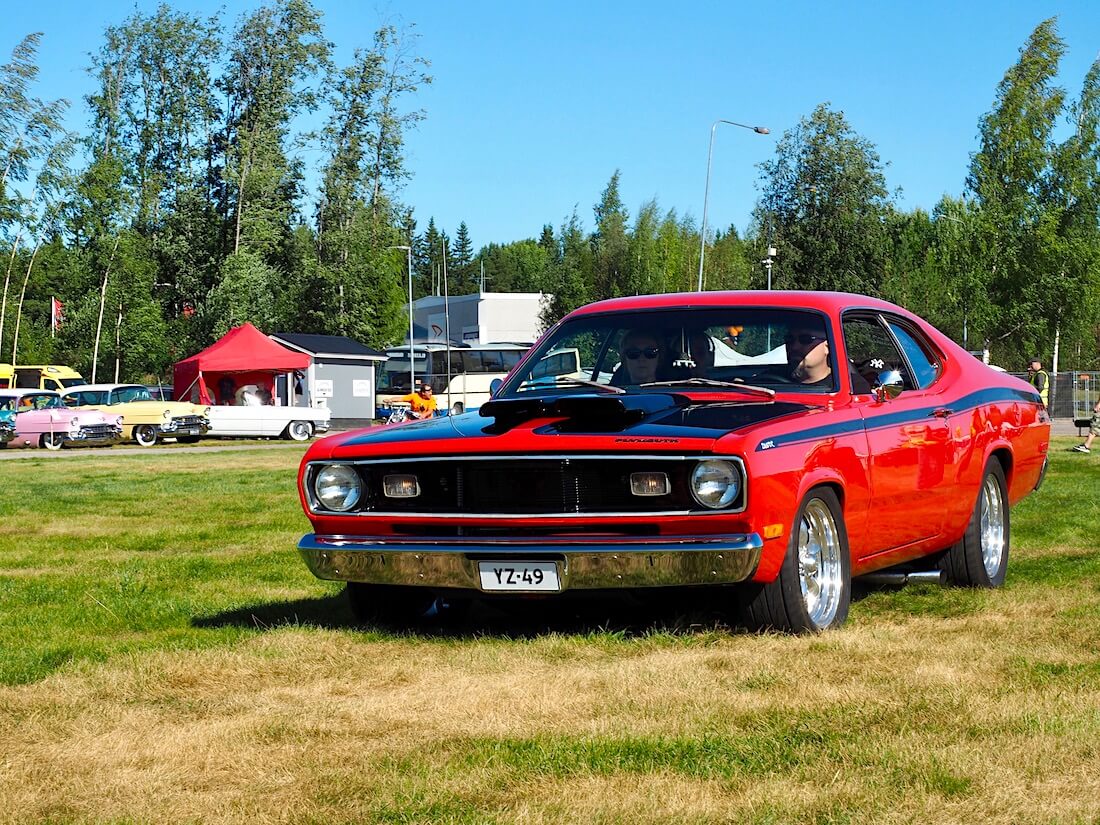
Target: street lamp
{"x":412,"y":362}
{"x":760,"y":130}
{"x":768,"y":261}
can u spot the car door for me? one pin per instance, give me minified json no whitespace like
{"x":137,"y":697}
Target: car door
{"x":907,"y":435}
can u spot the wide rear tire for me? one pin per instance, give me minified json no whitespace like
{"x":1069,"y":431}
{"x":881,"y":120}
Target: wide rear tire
{"x":980,"y":558}
{"x":814,"y":587}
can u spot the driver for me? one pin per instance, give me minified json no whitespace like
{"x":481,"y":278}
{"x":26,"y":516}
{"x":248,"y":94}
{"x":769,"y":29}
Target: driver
{"x":808,"y":356}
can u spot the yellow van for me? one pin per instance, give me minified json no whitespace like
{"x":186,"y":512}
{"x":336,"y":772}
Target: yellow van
{"x":40,"y":377}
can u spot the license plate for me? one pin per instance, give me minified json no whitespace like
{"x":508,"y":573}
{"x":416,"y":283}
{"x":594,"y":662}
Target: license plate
{"x":188,"y":431}
{"x":519,"y":576}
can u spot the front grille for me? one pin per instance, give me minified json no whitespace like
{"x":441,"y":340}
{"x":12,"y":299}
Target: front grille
{"x":188,"y":421}
{"x":551,"y":486}
{"x":98,"y":431}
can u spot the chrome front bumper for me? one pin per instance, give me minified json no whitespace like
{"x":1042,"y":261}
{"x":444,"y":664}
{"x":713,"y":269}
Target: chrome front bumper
{"x":590,"y":564}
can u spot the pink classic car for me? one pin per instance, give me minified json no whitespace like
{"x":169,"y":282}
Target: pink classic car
{"x":41,"y":420}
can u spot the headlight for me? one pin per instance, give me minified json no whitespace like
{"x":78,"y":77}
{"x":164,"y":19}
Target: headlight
{"x":338,"y":487}
{"x":715,"y":483}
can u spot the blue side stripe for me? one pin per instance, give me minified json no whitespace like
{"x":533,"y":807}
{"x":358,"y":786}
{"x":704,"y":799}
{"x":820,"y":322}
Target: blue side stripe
{"x":895,"y":419}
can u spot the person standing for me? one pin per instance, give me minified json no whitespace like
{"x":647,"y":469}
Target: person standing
{"x":1038,"y":378}
{"x":1094,"y":429}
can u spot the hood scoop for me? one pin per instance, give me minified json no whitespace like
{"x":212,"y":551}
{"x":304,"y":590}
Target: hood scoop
{"x":582,"y":413}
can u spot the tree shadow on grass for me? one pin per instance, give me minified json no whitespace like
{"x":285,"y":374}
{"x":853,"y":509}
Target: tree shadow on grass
{"x":671,"y":613}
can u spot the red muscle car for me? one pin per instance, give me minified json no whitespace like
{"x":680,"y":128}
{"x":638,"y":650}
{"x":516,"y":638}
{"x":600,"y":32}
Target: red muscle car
{"x":772,"y":444}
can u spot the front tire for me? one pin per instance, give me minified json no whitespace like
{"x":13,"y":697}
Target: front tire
{"x":388,"y":605}
{"x":188,"y":439}
{"x":53,"y":441}
{"x":980,"y":558}
{"x":299,"y":430}
{"x":145,"y":435}
{"x":814,"y":587}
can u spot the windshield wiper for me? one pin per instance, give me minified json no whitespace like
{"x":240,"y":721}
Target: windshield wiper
{"x":566,"y":381}
{"x":710,"y":382}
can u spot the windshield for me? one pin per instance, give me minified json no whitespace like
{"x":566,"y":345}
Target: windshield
{"x":71,"y":382}
{"x":716,"y":349}
{"x":40,"y":401}
{"x":124,"y":395}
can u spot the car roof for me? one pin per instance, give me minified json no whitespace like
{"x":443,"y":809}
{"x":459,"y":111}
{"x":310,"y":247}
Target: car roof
{"x":783,"y":299}
{"x":100,"y":387}
{"x":19,"y":392}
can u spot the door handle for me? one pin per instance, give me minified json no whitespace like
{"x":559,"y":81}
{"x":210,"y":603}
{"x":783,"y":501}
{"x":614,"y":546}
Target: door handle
{"x":942,"y":412}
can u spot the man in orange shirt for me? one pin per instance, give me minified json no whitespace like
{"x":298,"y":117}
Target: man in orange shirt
{"x":421,"y":404}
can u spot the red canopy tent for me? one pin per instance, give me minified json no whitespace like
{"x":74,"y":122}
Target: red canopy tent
{"x":242,"y":356}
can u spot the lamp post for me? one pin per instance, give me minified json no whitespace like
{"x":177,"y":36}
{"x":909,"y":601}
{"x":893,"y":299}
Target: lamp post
{"x":760,"y":130}
{"x":412,"y":363}
{"x":768,"y":261}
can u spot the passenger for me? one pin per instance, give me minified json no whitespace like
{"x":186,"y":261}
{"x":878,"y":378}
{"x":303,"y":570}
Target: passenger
{"x":700,"y":353}
{"x":642,"y":356}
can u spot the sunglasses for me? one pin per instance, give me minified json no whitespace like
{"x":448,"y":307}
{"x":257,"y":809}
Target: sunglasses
{"x":634,"y":353}
{"x":804,"y":339}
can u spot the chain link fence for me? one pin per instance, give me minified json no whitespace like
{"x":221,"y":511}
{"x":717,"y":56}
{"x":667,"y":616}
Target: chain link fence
{"x":1072,"y":393}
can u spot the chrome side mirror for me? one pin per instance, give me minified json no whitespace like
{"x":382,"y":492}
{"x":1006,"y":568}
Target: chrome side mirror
{"x":888,"y":385}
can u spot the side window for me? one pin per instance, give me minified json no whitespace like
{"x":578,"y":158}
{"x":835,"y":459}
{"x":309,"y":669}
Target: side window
{"x":492,"y":361}
{"x":871,"y":352}
{"x":926,"y":367}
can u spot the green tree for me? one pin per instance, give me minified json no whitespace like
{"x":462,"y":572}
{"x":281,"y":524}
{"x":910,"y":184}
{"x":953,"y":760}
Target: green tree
{"x":463,"y":272}
{"x":611,"y":270}
{"x":825,"y":199}
{"x":1010,"y":180}
{"x":277,"y":51}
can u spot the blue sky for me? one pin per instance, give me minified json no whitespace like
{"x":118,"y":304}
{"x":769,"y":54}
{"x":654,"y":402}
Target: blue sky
{"x":534,"y":106}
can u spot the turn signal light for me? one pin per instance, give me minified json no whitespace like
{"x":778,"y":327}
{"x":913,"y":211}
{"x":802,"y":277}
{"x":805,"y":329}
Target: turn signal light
{"x":649,"y":484}
{"x":400,"y":486}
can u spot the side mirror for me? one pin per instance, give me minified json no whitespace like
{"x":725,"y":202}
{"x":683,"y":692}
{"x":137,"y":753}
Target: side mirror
{"x":889,"y":385}
{"x":495,"y":385}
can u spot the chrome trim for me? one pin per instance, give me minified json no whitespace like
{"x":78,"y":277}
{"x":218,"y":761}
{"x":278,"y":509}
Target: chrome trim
{"x":583,"y":564}
{"x":638,"y":516}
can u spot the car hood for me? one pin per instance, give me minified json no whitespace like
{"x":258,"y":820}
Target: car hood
{"x":663,"y":422}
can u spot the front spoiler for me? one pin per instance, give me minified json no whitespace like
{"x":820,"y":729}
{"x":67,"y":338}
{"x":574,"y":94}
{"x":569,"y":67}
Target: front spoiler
{"x":583,"y":564}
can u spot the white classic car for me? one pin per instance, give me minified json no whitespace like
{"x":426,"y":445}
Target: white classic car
{"x":257,"y":420}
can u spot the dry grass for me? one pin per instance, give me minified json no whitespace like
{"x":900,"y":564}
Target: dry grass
{"x":933,"y":706}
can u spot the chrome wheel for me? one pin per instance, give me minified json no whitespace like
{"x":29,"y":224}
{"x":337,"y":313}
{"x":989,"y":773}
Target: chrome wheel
{"x":819,"y":563}
{"x":299,"y":430}
{"x":992,"y":535}
{"x":145,"y":435}
{"x":53,"y":441}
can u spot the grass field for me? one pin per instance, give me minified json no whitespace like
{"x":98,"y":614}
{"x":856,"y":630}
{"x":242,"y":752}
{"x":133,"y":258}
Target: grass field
{"x":166,"y":657}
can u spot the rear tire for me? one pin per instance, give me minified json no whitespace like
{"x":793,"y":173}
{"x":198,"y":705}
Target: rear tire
{"x":52,"y":441}
{"x":388,"y":605}
{"x":299,"y":430}
{"x":814,"y":587}
{"x":145,"y":435}
{"x":980,"y":558}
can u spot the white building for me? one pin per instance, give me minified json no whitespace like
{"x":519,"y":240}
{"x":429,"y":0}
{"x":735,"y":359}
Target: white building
{"x":480,"y":318}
